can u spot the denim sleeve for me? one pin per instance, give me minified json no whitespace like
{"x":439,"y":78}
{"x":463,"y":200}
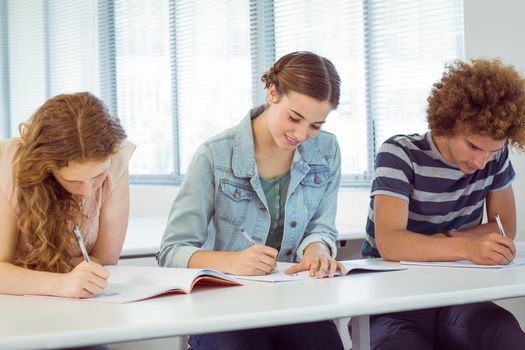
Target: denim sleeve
{"x":321,"y":227}
{"x":192,"y":209}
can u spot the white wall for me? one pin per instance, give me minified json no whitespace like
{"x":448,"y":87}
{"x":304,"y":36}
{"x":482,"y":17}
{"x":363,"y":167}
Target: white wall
{"x":497,"y":29}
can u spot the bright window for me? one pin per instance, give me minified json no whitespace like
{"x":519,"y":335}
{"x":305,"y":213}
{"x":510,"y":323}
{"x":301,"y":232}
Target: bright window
{"x":176,"y":72}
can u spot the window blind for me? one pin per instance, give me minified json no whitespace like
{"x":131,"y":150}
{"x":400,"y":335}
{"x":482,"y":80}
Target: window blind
{"x":73,"y":55}
{"x":178,"y":71}
{"x":51,"y":49}
{"x":336,"y":32}
{"x":213,"y":82}
{"x":142,"y":82}
{"x":388,"y":54}
{"x":5,"y":123}
{"x":409,"y":43}
{"x":27,"y":72}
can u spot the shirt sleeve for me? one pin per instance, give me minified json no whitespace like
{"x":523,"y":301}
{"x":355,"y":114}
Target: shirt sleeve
{"x":504,"y":172}
{"x":8,"y":229}
{"x":118,"y":170}
{"x":394,"y":173}
{"x":9,"y":232}
{"x":321,"y":227}
{"x":113,"y":213}
{"x":192,"y":210}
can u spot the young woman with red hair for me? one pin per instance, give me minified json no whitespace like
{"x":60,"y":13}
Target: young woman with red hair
{"x":68,"y":168}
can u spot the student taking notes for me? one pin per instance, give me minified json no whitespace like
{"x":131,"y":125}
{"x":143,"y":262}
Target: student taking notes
{"x":428,"y":198}
{"x":273,"y":180}
{"x":69,"y":167}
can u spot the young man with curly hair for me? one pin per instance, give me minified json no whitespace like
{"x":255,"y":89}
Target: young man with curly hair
{"x":428,"y":198}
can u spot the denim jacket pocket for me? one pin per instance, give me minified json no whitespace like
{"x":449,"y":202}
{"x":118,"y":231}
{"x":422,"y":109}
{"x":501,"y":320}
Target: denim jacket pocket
{"x":232,"y":202}
{"x":314,"y":185}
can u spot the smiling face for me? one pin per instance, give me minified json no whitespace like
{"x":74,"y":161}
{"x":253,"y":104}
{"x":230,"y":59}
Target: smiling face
{"x":83,"y":179}
{"x":294,"y":118}
{"x":469,"y":152}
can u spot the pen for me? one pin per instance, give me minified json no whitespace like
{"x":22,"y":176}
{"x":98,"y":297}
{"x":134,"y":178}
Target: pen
{"x":80,"y":241}
{"x":247,"y":236}
{"x":500,"y":225}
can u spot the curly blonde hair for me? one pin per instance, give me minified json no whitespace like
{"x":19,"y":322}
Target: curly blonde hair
{"x":67,"y":128}
{"x":485,"y":98}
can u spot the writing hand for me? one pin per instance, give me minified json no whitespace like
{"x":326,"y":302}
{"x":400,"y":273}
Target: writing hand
{"x":491,"y":249}
{"x":85,"y":280}
{"x":256,"y":260}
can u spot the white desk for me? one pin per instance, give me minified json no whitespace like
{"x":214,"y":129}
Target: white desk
{"x":143,"y":236}
{"x":27,"y":322}
{"x":145,"y":233}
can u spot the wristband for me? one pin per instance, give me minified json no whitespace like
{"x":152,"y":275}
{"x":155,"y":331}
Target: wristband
{"x":445,"y":232}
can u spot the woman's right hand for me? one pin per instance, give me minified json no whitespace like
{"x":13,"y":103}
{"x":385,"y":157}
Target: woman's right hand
{"x":256,"y":260}
{"x":85,"y":280}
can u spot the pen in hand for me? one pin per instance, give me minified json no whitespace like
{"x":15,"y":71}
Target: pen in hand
{"x":247,"y":236}
{"x":501,"y":229}
{"x":268,"y":251}
{"x":81,"y":244}
{"x":500,"y":225}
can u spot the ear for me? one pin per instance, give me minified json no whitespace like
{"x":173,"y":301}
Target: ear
{"x":272,"y":96}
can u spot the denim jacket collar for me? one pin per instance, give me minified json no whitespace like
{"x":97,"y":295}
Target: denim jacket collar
{"x":243,"y":162}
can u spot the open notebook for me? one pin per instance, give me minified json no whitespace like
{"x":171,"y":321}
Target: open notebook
{"x":133,"y":283}
{"x":464,"y":264}
{"x":352,"y":266}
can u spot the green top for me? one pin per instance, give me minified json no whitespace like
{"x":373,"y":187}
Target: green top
{"x":275,"y":192}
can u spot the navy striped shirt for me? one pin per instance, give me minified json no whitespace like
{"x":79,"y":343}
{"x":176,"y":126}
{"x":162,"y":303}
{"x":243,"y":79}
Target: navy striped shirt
{"x":439,"y":195}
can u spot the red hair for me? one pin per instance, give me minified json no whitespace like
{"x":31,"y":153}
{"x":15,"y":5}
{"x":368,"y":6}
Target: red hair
{"x":67,"y":128}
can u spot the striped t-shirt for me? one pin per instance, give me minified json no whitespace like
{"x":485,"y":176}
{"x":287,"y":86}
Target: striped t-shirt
{"x":439,"y":195}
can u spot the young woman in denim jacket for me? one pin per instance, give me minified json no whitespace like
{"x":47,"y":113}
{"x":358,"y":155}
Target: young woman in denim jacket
{"x":274,"y":176}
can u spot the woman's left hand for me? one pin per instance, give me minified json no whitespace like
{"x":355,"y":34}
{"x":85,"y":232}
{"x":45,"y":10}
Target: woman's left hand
{"x":318,"y":261}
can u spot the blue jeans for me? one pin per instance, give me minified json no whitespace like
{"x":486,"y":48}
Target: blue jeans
{"x":478,"y":326}
{"x":305,"y":336}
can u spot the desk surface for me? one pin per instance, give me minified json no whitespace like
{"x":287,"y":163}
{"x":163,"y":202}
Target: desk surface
{"x":145,"y":233}
{"x":28,"y":322}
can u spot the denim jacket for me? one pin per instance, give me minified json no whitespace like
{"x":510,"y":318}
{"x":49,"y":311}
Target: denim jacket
{"x":222,"y":194}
